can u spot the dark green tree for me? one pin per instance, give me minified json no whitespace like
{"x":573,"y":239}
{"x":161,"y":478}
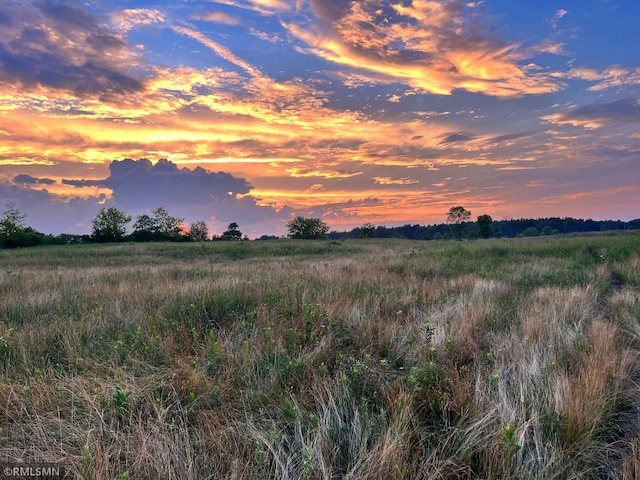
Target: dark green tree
{"x":368,"y":230}
{"x":166,"y":226}
{"x":232,"y":232}
{"x":14,"y":232}
{"x":485,"y":226}
{"x":307,"y":228}
{"x":12,"y":223}
{"x":110,"y":225}
{"x":198,"y":231}
{"x":144,"y":229}
{"x":455,"y":218}
{"x":159,"y":227}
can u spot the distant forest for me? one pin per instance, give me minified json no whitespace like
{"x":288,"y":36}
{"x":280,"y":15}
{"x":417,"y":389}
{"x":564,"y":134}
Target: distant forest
{"x":500,"y":228}
{"x":110,"y":226}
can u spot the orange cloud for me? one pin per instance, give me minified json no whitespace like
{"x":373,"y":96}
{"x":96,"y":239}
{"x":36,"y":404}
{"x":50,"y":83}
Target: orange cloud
{"x":395,"y":181}
{"x":434,"y":47}
{"x":312,"y":172}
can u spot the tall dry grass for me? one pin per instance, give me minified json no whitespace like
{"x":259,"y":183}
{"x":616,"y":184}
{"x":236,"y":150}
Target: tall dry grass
{"x":364,"y":359}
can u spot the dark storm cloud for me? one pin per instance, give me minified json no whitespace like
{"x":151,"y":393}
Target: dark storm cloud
{"x":137,"y":187}
{"x":141,"y":183}
{"x":29,"y":180}
{"x":65,"y":48}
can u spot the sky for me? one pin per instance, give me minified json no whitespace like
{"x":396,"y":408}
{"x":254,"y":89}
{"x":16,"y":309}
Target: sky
{"x":254,"y":111}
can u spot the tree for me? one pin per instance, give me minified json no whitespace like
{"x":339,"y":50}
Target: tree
{"x":12,"y":223}
{"x":166,"y":226}
{"x":307,"y":228}
{"x":485,"y":226}
{"x":14,"y":232}
{"x":198,"y":231}
{"x":110,"y":225}
{"x":161,"y":226}
{"x":144,"y":229}
{"x":455,"y":218}
{"x":368,"y":230}
{"x":546,"y":230}
{"x":232,"y":232}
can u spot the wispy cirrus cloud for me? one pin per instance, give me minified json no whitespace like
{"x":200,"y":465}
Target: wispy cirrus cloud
{"x":457,"y":137}
{"x":219,"y":49}
{"x":264,"y":7}
{"x":621,"y":112}
{"x":613,"y":77}
{"x":322,"y":173}
{"x":217,"y":17}
{"x":556,"y":18}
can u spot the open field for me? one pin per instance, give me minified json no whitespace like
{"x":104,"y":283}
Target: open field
{"x":302,"y":360}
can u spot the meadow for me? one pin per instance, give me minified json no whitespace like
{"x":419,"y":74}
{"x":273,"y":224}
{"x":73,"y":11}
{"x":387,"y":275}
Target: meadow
{"x":390,"y":359}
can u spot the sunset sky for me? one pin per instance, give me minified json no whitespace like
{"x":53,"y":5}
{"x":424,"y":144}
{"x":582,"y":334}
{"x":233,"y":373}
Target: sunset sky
{"x":388,"y":112}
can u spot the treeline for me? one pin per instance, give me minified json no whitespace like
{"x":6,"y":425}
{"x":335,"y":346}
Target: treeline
{"x":499,"y":228}
{"x":111,"y":225}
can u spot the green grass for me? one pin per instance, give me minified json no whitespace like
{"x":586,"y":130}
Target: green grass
{"x":510,"y":358}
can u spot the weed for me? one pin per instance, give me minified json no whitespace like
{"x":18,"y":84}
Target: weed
{"x":121,"y":402}
{"x":509,"y":444}
{"x":5,"y":351}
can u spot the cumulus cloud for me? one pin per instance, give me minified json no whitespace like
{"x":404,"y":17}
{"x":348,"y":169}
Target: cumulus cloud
{"x":217,"y":197}
{"x":141,"y":183}
{"x":138,"y":186}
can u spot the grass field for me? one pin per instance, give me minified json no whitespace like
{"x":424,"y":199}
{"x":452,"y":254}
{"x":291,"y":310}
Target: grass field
{"x":510,"y":358}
